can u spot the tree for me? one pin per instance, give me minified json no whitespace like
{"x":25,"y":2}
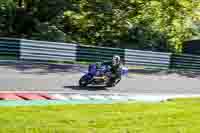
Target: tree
{"x":32,"y":19}
{"x":158,"y":25}
{"x":161,"y":23}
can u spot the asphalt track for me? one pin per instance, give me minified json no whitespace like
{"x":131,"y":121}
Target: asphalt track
{"x":28,"y":76}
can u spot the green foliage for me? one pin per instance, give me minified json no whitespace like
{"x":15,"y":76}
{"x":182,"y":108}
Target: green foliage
{"x":158,"y":25}
{"x":7,"y":13}
{"x":34,"y":19}
{"x":153,"y":25}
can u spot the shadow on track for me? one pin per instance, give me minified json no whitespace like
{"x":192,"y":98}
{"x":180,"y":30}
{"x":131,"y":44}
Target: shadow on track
{"x":28,"y":67}
{"x":89,"y":88}
{"x":185,"y":73}
{"x":31,"y":67}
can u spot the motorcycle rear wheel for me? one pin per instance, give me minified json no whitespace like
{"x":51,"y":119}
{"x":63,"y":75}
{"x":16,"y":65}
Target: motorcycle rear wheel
{"x":114,"y":83}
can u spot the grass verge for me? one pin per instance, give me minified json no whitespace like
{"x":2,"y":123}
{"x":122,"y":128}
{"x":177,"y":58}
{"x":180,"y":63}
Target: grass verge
{"x":177,"y":116}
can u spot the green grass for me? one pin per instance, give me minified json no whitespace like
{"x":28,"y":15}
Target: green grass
{"x":179,"y":116}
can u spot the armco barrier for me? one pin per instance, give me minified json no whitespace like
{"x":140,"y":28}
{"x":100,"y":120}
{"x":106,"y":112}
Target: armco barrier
{"x":147,"y":59}
{"x":41,"y":50}
{"x":97,"y":54}
{"x":9,"y":48}
{"x":54,"y":51}
{"x":23,"y":49}
{"x":185,"y":61}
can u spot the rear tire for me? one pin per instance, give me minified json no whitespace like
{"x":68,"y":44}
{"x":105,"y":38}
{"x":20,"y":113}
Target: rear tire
{"x":113,"y":83}
{"x":110,"y":85}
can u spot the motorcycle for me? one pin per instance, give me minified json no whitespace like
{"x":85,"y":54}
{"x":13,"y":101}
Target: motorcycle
{"x":100,"y":76}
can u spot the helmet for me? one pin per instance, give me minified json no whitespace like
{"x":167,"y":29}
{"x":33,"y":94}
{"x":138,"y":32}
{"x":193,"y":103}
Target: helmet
{"x":116,"y":60}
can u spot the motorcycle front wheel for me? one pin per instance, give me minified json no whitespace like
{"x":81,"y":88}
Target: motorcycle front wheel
{"x":83,"y":82}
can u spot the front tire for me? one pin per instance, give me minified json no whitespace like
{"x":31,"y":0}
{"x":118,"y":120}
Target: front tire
{"x":83,"y":82}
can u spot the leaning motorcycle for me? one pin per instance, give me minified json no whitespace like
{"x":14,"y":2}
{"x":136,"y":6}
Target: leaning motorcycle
{"x":100,"y":76}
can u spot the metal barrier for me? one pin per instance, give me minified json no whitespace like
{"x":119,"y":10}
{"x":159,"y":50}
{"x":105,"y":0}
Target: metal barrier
{"x":97,"y":54}
{"x":147,"y":59}
{"x":23,"y":49}
{"x":41,"y":50}
{"x":9,"y":48}
{"x":185,"y":61}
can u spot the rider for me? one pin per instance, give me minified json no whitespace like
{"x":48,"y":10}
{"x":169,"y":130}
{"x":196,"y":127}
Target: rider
{"x":115,"y":65}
